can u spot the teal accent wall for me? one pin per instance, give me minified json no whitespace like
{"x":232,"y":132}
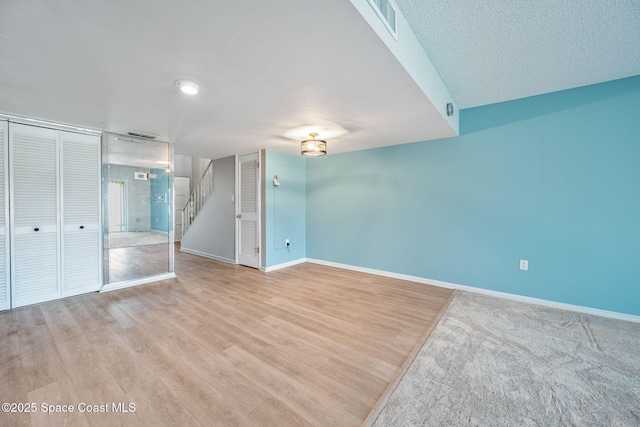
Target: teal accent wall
{"x":160,"y":197}
{"x":285,"y":208}
{"x":136,"y":192}
{"x":554,"y":179}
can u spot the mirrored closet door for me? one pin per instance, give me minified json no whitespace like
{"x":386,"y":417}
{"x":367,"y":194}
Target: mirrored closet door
{"x":137,"y":209}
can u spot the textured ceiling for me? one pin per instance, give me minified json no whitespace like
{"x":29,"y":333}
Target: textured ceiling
{"x":490,"y":51}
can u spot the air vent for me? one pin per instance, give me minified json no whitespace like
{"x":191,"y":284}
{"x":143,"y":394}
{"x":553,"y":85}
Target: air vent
{"x":387,"y":13}
{"x":141,"y":135}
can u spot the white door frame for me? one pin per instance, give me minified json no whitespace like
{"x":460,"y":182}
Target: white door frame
{"x":258,"y":208}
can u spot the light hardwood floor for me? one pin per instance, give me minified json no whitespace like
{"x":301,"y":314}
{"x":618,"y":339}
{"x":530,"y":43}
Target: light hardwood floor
{"x":135,"y":262}
{"x":219,"y":345}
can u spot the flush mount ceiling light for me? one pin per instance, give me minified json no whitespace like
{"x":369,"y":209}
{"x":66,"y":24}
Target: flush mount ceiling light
{"x":190,"y":88}
{"x":313,"y":146}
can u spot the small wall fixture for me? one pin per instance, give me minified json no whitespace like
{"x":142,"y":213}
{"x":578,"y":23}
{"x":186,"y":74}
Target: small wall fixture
{"x":190,"y":88}
{"x":313,"y":146}
{"x":276,"y":181}
{"x":449,"y":109}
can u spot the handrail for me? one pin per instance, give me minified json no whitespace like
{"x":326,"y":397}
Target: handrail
{"x":198,"y":198}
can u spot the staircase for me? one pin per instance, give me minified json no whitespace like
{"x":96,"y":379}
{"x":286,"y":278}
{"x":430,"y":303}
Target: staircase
{"x":198,"y":198}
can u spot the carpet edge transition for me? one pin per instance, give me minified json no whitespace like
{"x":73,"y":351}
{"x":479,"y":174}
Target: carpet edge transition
{"x":386,"y":394}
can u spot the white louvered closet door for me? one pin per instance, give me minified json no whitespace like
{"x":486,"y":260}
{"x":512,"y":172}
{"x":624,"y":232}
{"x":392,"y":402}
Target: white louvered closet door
{"x":81,"y":261}
{"x":5,"y":299}
{"x":34,"y":214}
{"x":248,"y":211}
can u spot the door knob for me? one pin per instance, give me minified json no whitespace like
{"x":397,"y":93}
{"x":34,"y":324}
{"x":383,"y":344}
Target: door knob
{"x":36,"y":229}
{"x":82,"y":227}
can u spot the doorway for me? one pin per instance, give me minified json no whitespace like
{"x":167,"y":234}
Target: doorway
{"x":248,"y":211}
{"x":117,"y":207}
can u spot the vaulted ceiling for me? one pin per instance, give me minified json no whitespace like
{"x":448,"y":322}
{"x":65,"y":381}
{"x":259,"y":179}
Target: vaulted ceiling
{"x":267,"y":66}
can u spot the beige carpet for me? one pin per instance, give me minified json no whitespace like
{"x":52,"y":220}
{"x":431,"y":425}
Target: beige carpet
{"x":494,"y":362}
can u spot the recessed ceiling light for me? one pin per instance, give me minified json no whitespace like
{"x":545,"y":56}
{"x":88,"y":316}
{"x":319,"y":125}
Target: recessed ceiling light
{"x":188,"y":87}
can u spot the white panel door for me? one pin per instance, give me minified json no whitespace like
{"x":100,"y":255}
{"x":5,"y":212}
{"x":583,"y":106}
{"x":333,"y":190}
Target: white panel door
{"x":81,"y":255}
{"x":248,"y":210}
{"x":34,"y":216}
{"x":5,"y":294}
{"x":181,"y":187}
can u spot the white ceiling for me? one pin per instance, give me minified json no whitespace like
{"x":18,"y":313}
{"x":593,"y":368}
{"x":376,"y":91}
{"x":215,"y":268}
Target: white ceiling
{"x":266,"y":66}
{"x":491,"y":51}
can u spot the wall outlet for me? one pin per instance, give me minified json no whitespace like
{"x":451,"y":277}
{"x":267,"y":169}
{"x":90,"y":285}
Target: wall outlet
{"x":286,"y":242}
{"x":524,"y":264}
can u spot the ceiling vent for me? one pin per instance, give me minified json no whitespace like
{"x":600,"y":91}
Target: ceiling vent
{"x":386,"y":11}
{"x":141,"y":135}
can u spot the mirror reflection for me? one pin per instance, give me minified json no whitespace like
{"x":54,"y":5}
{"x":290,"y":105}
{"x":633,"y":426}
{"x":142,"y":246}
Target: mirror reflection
{"x":137,"y":218}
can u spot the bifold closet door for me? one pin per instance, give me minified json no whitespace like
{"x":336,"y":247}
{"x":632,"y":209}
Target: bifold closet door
{"x":35,"y":273}
{"x":5,"y":299}
{"x":81,"y":272}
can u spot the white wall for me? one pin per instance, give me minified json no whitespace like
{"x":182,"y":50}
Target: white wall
{"x":198,"y":166}
{"x":182,"y":166}
{"x":190,"y":167}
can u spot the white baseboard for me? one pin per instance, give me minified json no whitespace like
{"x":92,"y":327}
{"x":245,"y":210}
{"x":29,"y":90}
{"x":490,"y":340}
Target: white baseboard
{"x":129,"y":283}
{"x":206,"y":255}
{"x":283,"y":265}
{"x":504,"y":295}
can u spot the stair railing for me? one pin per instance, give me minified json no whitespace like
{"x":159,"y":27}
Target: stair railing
{"x":198,"y":198}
